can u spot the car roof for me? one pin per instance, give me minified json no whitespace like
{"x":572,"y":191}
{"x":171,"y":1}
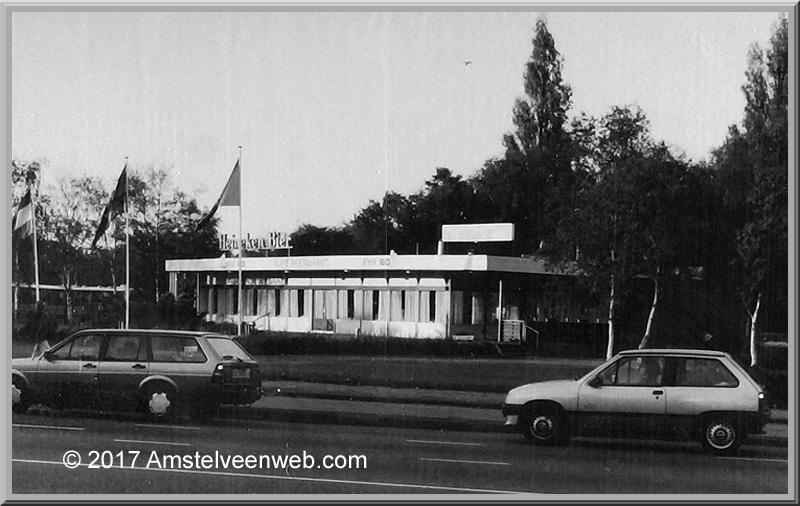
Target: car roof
{"x":674,"y":351}
{"x":160,"y":332}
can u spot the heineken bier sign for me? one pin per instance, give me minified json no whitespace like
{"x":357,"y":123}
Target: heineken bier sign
{"x":275,"y":240}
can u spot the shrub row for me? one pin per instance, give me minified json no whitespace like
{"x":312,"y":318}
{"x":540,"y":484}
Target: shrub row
{"x":283,"y":343}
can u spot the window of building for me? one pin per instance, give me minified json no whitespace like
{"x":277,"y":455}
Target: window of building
{"x":432,"y":306}
{"x":278,"y":302}
{"x":466,"y":315}
{"x":375,"y":304}
{"x":301,"y":302}
{"x":212,"y":300}
{"x":351,"y":304}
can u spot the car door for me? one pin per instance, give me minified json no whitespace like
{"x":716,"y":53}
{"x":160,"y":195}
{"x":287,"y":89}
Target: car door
{"x":67,"y":374}
{"x":125,"y":364}
{"x":626,"y":398}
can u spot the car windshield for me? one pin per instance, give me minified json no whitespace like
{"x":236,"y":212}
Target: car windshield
{"x":227,"y":348}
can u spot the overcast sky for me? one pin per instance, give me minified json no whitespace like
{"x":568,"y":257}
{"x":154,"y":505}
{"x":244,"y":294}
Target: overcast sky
{"x":334,"y":108}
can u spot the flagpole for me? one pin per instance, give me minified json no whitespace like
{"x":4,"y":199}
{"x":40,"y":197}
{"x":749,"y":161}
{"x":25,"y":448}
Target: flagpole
{"x":127,"y":252}
{"x":241,"y":242}
{"x":35,"y":244}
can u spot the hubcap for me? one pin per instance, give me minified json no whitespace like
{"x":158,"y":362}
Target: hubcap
{"x":159,"y":403}
{"x":543,"y":427}
{"x":16,"y":394}
{"x":720,"y":435}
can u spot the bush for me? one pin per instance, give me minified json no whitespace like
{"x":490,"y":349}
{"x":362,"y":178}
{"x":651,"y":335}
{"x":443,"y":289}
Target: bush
{"x":287,"y":343}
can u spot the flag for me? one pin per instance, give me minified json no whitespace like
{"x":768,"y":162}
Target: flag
{"x":115,"y":206}
{"x":22,"y":224}
{"x":231,"y":196}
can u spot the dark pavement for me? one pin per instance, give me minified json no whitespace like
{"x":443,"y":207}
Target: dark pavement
{"x":407,"y":408}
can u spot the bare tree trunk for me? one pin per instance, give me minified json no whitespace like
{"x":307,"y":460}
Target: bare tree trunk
{"x":753,"y":343}
{"x":612,"y":302}
{"x":66,"y":281}
{"x":68,"y":297}
{"x":16,"y":300}
{"x":649,"y":329}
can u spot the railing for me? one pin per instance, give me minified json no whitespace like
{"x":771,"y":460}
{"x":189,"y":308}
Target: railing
{"x":514,"y":332}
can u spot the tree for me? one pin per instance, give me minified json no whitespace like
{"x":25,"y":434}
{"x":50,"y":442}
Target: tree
{"x":163,"y":221}
{"x":633,"y":216}
{"x":753,"y":170}
{"x":537,"y":165}
{"x":24,"y":175}
{"x":446,"y":199}
{"x":311,"y":240}
{"x":68,"y":226}
{"x":380,"y":227}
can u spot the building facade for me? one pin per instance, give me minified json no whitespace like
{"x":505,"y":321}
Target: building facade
{"x":471,"y":297}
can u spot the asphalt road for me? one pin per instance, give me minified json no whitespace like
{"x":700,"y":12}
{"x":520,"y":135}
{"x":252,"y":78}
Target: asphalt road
{"x":200,"y":459}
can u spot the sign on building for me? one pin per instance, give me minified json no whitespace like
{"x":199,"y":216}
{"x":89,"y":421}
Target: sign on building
{"x":478,"y":232}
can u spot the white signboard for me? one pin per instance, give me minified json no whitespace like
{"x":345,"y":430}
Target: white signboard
{"x":478,"y":232}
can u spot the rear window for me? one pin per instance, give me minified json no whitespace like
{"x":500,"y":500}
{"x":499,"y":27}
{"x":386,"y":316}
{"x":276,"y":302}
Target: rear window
{"x":176,"y":349}
{"x":703,"y":372}
{"x":227,"y":348}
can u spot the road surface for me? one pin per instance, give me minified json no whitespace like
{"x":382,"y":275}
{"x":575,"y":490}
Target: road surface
{"x":227,"y":456}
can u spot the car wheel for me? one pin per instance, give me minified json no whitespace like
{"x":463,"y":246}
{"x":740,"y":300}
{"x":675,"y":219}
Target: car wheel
{"x":720,"y":436}
{"x":544,"y":425}
{"x":20,"y":396}
{"x":160,"y":402}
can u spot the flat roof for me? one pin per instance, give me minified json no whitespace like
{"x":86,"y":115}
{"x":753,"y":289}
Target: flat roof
{"x":164,"y":332}
{"x":74,"y":288}
{"x":674,"y":351}
{"x":378,"y":263}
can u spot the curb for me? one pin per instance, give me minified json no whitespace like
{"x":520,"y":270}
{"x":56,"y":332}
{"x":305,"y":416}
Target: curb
{"x":360,"y":419}
{"x":427,"y":402}
{"x":399,"y":400}
{"x":402,"y":421}
{"x":422,"y":401}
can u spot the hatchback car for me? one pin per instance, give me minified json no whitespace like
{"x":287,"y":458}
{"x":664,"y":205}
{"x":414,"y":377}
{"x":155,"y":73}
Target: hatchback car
{"x":156,"y":371}
{"x":697,"y":394}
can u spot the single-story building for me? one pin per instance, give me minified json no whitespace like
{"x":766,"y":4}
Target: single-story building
{"x":471,"y":296}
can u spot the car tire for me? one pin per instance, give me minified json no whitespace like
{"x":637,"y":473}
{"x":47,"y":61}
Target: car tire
{"x":544,"y":426}
{"x":20,"y":395}
{"x":160,"y":402}
{"x":720,"y":436}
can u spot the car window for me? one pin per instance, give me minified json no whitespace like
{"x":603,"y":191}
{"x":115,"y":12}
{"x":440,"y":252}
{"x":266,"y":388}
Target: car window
{"x":228,"y":348}
{"x":62,"y":352}
{"x":634,"y":371}
{"x":125,"y":348}
{"x":84,"y":347}
{"x":703,"y":372}
{"x":176,"y":349}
